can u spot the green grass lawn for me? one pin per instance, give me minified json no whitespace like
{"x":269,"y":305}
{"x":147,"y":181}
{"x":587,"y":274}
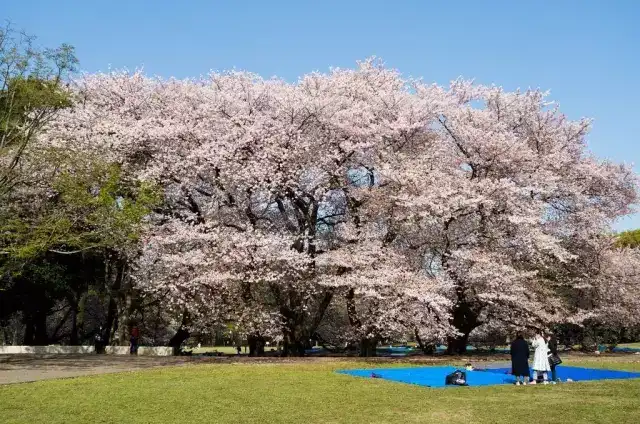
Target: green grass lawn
{"x":228,"y":350}
{"x":311,"y":393}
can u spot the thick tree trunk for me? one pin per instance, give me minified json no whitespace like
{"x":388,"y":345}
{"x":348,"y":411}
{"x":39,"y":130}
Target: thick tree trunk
{"x":427,"y":348}
{"x":294,"y":345}
{"x":299,"y":328}
{"x":457,"y":345}
{"x":181,"y":335}
{"x":256,"y":345}
{"x":465,"y":319}
{"x":368,"y":347}
{"x":40,"y":336}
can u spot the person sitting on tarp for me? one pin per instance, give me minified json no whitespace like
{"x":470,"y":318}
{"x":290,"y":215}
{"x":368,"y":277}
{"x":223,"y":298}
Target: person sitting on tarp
{"x":456,"y":378}
{"x":520,"y":359}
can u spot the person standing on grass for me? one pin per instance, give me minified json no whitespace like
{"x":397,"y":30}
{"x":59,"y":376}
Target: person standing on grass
{"x":553,"y":350}
{"x":520,"y":359}
{"x":99,"y":344}
{"x":541,"y":359}
{"x":135,"y":334}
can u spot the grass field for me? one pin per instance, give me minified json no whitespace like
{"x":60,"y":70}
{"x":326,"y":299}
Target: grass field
{"x":228,"y":350}
{"x":311,"y":393}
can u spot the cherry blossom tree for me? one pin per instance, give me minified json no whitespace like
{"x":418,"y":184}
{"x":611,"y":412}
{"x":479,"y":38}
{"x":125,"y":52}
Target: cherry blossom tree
{"x":425,"y":209}
{"x":256,"y":172}
{"x":603,"y":296}
{"x":504,"y":189}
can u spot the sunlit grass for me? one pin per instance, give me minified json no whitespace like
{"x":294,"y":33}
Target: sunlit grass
{"x":312,"y":393}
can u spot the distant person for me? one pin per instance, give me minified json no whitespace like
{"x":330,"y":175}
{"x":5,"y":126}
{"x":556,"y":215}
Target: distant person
{"x":520,"y":359}
{"x":99,"y":341}
{"x":135,"y":334}
{"x":239,"y":349}
{"x":554,"y":358}
{"x":541,"y":365}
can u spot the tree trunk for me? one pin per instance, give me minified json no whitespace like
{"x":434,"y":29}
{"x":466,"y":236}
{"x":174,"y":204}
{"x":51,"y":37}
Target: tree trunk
{"x":457,"y":345}
{"x":73,"y":337}
{"x":427,"y":348}
{"x":112,"y":316}
{"x":465,"y":320}
{"x":28,"y":331}
{"x":256,"y":345}
{"x":40,"y":336}
{"x":124,"y":316}
{"x":181,"y":335}
{"x":177,"y":340}
{"x":368,"y":347}
{"x":111,"y":325}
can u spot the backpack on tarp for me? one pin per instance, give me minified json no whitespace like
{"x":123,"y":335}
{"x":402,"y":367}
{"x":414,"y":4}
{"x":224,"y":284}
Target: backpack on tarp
{"x":456,"y":378}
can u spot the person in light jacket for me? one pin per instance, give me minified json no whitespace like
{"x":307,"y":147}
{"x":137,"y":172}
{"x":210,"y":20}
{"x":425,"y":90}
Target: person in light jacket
{"x":541,"y":359}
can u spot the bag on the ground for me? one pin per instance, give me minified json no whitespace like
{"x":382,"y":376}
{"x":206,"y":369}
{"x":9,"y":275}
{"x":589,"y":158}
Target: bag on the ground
{"x":456,"y":378}
{"x":554,"y":360}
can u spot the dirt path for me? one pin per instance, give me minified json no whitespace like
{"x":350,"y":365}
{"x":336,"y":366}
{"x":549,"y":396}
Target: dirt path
{"x":26,"y":368}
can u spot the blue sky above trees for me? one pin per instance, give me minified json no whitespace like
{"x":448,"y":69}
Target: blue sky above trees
{"x":586,"y":53}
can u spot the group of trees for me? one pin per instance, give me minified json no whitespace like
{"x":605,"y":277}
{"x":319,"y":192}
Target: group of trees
{"x":68,"y":220}
{"x":349,"y":208}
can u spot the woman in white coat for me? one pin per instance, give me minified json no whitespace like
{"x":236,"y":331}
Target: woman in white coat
{"x":541,"y":358}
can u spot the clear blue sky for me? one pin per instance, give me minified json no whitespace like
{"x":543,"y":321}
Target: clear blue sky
{"x":586,"y":52}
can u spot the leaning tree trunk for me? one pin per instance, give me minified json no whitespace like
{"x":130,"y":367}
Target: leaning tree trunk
{"x":427,"y":348}
{"x":181,"y":335}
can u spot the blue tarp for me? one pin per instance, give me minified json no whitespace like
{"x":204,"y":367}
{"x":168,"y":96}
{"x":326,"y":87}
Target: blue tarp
{"x":435,"y":376}
{"x":618,"y":349}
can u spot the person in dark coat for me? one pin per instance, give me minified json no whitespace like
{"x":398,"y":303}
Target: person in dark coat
{"x":553,"y":350}
{"x":99,"y":341}
{"x":520,"y":359}
{"x":135,"y":335}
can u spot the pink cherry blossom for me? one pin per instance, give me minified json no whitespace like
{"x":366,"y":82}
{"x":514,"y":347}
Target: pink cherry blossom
{"x":431,"y":209}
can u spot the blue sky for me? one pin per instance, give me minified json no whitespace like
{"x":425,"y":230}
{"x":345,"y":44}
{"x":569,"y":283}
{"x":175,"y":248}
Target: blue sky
{"x":586,"y":52}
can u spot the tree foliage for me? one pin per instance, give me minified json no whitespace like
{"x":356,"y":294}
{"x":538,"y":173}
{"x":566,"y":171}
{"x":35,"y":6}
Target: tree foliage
{"x":32,"y":89}
{"x":629,"y":238}
{"x":428,"y":210}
